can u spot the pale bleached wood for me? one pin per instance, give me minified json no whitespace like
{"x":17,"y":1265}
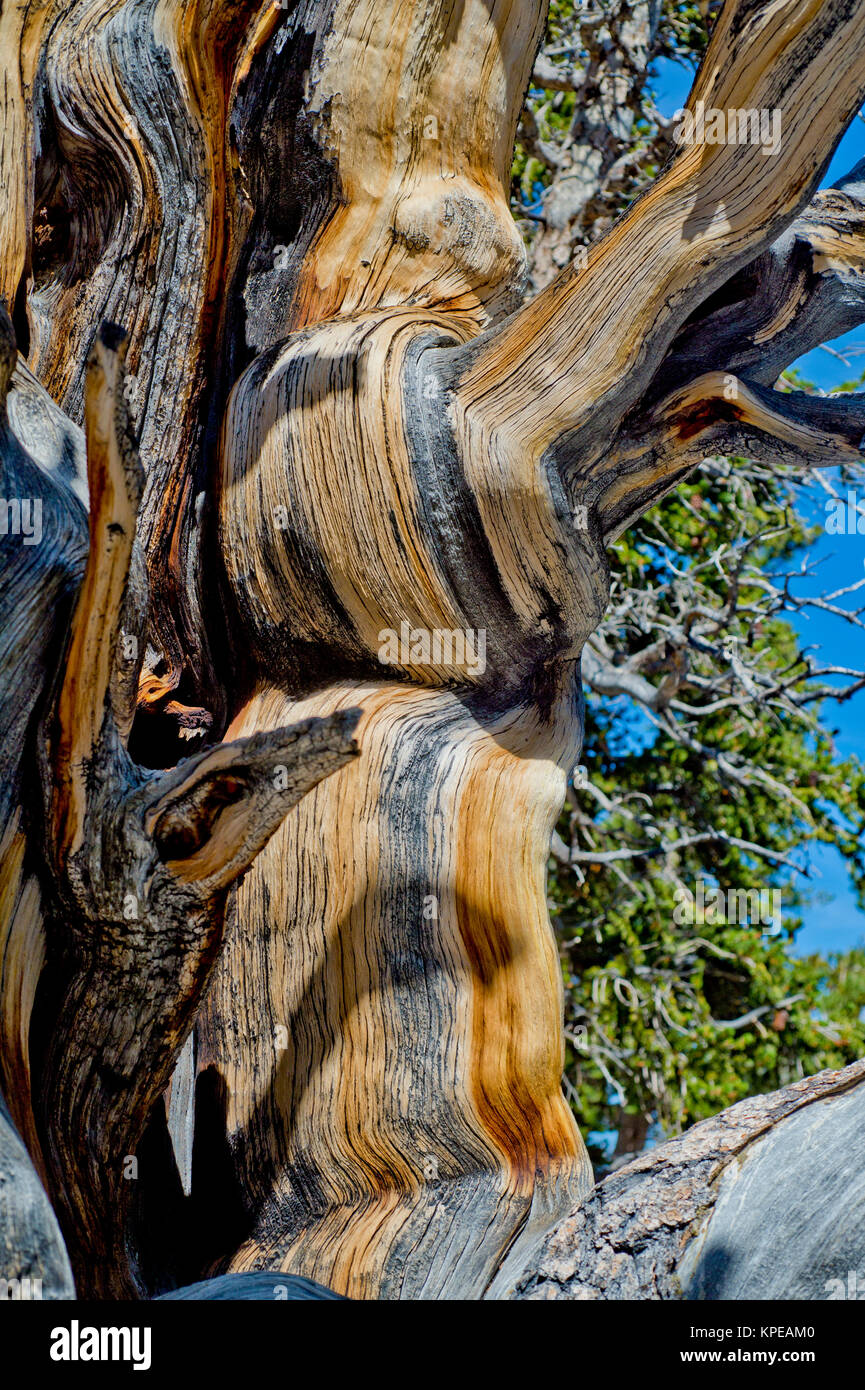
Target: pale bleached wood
{"x":380,"y":1050}
{"x":394,"y":467}
{"x":760,"y":1202}
{"x":135,"y":865}
{"x":41,"y":461}
{"x":33,"y":1260}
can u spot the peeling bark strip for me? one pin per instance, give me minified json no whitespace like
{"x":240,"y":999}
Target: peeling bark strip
{"x":300,"y":218}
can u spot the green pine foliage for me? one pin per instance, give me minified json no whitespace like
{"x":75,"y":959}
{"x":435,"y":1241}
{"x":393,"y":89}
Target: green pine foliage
{"x":647,"y":999}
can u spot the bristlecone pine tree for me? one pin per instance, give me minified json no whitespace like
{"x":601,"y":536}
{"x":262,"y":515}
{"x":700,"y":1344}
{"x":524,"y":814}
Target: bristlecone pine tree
{"x":296,"y":479}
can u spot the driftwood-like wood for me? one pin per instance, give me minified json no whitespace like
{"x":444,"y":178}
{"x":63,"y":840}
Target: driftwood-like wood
{"x":395,"y":467}
{"x":351,"y":428}
{"x":41,"y":459}
{"x":33,"y":1259}
{"x":763,"y":1201}
{"x":139,"y":864}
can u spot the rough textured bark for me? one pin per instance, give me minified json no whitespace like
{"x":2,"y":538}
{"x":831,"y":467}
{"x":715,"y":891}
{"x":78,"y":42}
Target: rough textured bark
{"x":350,"y":425}
{"x":703,"y":1217}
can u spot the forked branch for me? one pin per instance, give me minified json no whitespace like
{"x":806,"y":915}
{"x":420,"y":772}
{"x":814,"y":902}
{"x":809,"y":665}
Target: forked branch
{"x":565,"y":370}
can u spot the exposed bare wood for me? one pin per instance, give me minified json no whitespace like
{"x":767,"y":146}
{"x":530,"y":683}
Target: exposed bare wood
{"x":408,"y":1170}
{"x":146,"y":898}
{"x":139,"y":867}
{"x":808,"y":287}
{"x":699,"y":1217}
{"x":719,"y":414}
{"x":711,"y":212}
{"x":41,"y":458}
{"x":119,"y":205}
{"x":115,"y":481}
{"x":377,"y":473}
{"x":357,"y":507}
{"x":33,"y":1259}
{"x":394,"y":189}
{"x":22,"y":952}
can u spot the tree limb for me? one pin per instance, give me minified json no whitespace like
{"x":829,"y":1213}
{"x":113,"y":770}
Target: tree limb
{"x":565,"y":369}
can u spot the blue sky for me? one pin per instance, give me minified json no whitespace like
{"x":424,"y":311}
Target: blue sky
{"x":836,"y":924}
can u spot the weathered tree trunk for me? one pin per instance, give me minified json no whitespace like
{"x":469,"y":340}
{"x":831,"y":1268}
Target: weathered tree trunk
{"x":135,"y":864}
{"x":763,"y":1201}
{"x":364,"y":488}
